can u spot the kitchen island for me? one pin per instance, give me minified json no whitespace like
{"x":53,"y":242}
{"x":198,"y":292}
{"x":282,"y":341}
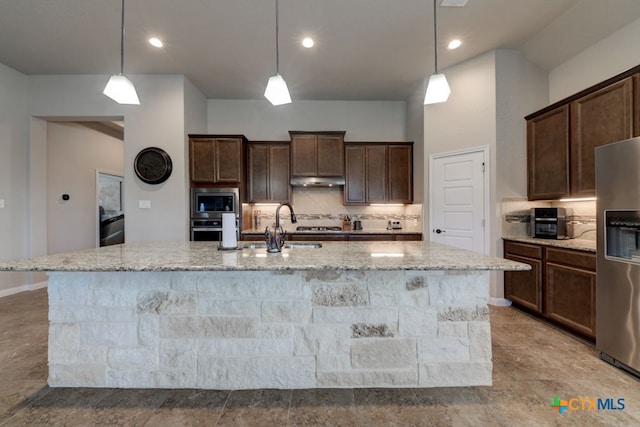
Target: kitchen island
{"x":347,"y":314}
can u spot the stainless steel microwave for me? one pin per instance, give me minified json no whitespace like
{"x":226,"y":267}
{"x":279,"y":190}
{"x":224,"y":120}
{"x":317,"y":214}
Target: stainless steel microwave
{"x":213,"y":202}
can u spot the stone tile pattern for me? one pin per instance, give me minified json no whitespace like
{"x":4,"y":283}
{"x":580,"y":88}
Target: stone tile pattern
{"x":276,"y":330}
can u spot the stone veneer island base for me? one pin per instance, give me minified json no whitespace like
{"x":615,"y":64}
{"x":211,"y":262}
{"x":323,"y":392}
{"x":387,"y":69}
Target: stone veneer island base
{"x":276,"y":321}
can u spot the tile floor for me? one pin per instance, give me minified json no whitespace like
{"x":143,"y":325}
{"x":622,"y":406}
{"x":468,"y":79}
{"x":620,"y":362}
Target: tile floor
{"x":533,"y":362}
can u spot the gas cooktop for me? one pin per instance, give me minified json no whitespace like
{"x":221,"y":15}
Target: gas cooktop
{"x":319,"y":228}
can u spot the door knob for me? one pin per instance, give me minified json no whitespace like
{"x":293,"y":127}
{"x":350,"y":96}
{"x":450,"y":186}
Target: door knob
{"x":438,"y":231}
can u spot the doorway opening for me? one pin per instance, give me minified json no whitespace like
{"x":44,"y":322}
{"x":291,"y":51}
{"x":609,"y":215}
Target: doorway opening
{"x":110,"y":208}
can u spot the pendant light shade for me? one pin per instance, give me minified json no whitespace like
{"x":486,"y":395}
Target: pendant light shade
{"x":119,"y":88}
{"x":438,"y":87}
{"x":277,"y":91}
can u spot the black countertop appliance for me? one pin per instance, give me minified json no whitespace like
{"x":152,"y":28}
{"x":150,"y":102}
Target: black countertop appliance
{"x":549,"y":223}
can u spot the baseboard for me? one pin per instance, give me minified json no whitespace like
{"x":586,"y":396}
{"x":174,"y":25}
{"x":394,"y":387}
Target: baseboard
{"x":500,"y":302}
{"x":23,"y":288}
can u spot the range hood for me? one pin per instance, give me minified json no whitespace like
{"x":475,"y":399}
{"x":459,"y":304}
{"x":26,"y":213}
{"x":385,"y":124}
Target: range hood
{"x":317,"y":181}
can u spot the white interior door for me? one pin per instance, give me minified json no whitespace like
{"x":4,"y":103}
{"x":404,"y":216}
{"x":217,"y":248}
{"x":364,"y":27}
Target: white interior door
{"x":458,"y":199}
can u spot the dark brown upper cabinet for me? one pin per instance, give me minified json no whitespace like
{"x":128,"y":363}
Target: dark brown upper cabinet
{"x":600,"y":118}
{"x":548,"y":154}
{"x":561,"y":138}
{"x":378,"y":173}
{"x":268,"y":172}
{"x":216,"y":159}
{"x":317,"y":154}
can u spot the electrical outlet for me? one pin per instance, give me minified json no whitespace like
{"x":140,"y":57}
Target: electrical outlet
{"x":144,"y":204}
{"x":1,"y":203}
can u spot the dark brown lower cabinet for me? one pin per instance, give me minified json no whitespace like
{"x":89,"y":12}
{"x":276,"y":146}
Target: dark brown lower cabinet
{"x":297,"y":237}
{"x":570,"y":290}
{"x":560,"y":287}
{"x":525,"y":288}
{"x":384,"y":237}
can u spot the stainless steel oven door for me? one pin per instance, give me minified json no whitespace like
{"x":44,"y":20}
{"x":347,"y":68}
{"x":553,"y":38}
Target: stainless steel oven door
{"x":206,"y":234}
{"x":546,"y":228}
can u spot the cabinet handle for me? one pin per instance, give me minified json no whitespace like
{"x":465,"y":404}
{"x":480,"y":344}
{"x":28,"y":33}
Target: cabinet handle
{"x":438,"y":231}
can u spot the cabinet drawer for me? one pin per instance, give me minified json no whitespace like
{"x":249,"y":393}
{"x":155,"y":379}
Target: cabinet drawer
{"x":523,"y":249}
{"x":573,"y":258}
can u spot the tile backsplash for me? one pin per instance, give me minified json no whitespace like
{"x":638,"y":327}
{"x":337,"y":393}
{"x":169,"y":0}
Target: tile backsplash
{"x":325,"y":207}
{"x":516,"y":215}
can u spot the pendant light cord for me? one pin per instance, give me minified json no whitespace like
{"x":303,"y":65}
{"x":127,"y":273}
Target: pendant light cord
{"x":122,"y":41}
{"x":277,"y":44}
{"x":435,"y":35}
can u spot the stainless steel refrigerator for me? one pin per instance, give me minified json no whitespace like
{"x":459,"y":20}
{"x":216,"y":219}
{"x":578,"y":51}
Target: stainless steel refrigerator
{"x":618,"y":268}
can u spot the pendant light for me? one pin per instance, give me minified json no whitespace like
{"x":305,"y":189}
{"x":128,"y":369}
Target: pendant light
{"x":277,"y":92}
{"x":437,"y":88}
{"x":119,"y":88}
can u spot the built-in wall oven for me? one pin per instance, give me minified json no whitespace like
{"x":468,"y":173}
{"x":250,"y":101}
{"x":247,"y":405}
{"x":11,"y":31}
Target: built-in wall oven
{"x":207,"y":207}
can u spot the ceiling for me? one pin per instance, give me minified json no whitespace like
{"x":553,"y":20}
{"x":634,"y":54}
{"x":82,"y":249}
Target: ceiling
{"x":365,"y":49}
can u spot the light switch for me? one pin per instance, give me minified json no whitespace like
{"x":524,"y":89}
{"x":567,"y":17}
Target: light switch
{"x":144,"y":204}
{"x":1,"y":203}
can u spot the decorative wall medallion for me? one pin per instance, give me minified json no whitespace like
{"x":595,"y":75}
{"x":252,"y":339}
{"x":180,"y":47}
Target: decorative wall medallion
{"x":153,"y":165}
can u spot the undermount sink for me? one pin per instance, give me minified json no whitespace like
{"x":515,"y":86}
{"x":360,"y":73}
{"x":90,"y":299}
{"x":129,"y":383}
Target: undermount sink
{"x":288,"y":245}
{"x":254,"y":245}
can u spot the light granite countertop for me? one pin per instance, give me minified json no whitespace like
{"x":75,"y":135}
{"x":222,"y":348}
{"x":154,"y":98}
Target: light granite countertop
{"x":576,"y":244}
{"x":205,"y":256}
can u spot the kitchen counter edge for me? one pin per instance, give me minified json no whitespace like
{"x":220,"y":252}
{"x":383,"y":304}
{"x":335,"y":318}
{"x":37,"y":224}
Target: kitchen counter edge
{"x":575,"y":244}
{"x":204,"y":256}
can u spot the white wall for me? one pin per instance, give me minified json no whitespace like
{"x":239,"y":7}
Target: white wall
{"x":415,"y":133}
{"x":259,"y":120}
{"x":490,"y":95}
{"x":158,"y":122}
{"x":521,"y":88}
{"x":74,"y":154}
{"x":603,"y":60}
{"x":13,"y":172}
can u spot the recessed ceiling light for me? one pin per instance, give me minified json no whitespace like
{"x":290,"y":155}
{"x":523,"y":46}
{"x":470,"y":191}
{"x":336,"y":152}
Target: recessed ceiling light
{"x":454,"y":44}
{"x":156,"y":42}
{"x":307,"y":42}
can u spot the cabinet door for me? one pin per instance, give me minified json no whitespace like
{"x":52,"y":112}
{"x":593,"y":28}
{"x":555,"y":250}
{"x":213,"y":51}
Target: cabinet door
{"x":599,"y":118}
{"x":202,"y":160}
{"x":409,"y":237}
{"x":524,"y":288}
{"x":570,"y":297}
{"x":330,"y":155}
{"x":304,"y":155}
{"x":279,"y":176}
{"x":355,"y":175}
{"x":268,"y":173}
{"x":376,"y":173}
{"x":400,"y":174}
{"x":228,"y":158}
{"x":258,"y":185}
{"x":370,"y":237}
{"x":312,"y":237}
{"x":548,"y":155}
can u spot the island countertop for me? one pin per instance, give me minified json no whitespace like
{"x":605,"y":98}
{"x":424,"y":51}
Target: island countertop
{"x":205,"y":256}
